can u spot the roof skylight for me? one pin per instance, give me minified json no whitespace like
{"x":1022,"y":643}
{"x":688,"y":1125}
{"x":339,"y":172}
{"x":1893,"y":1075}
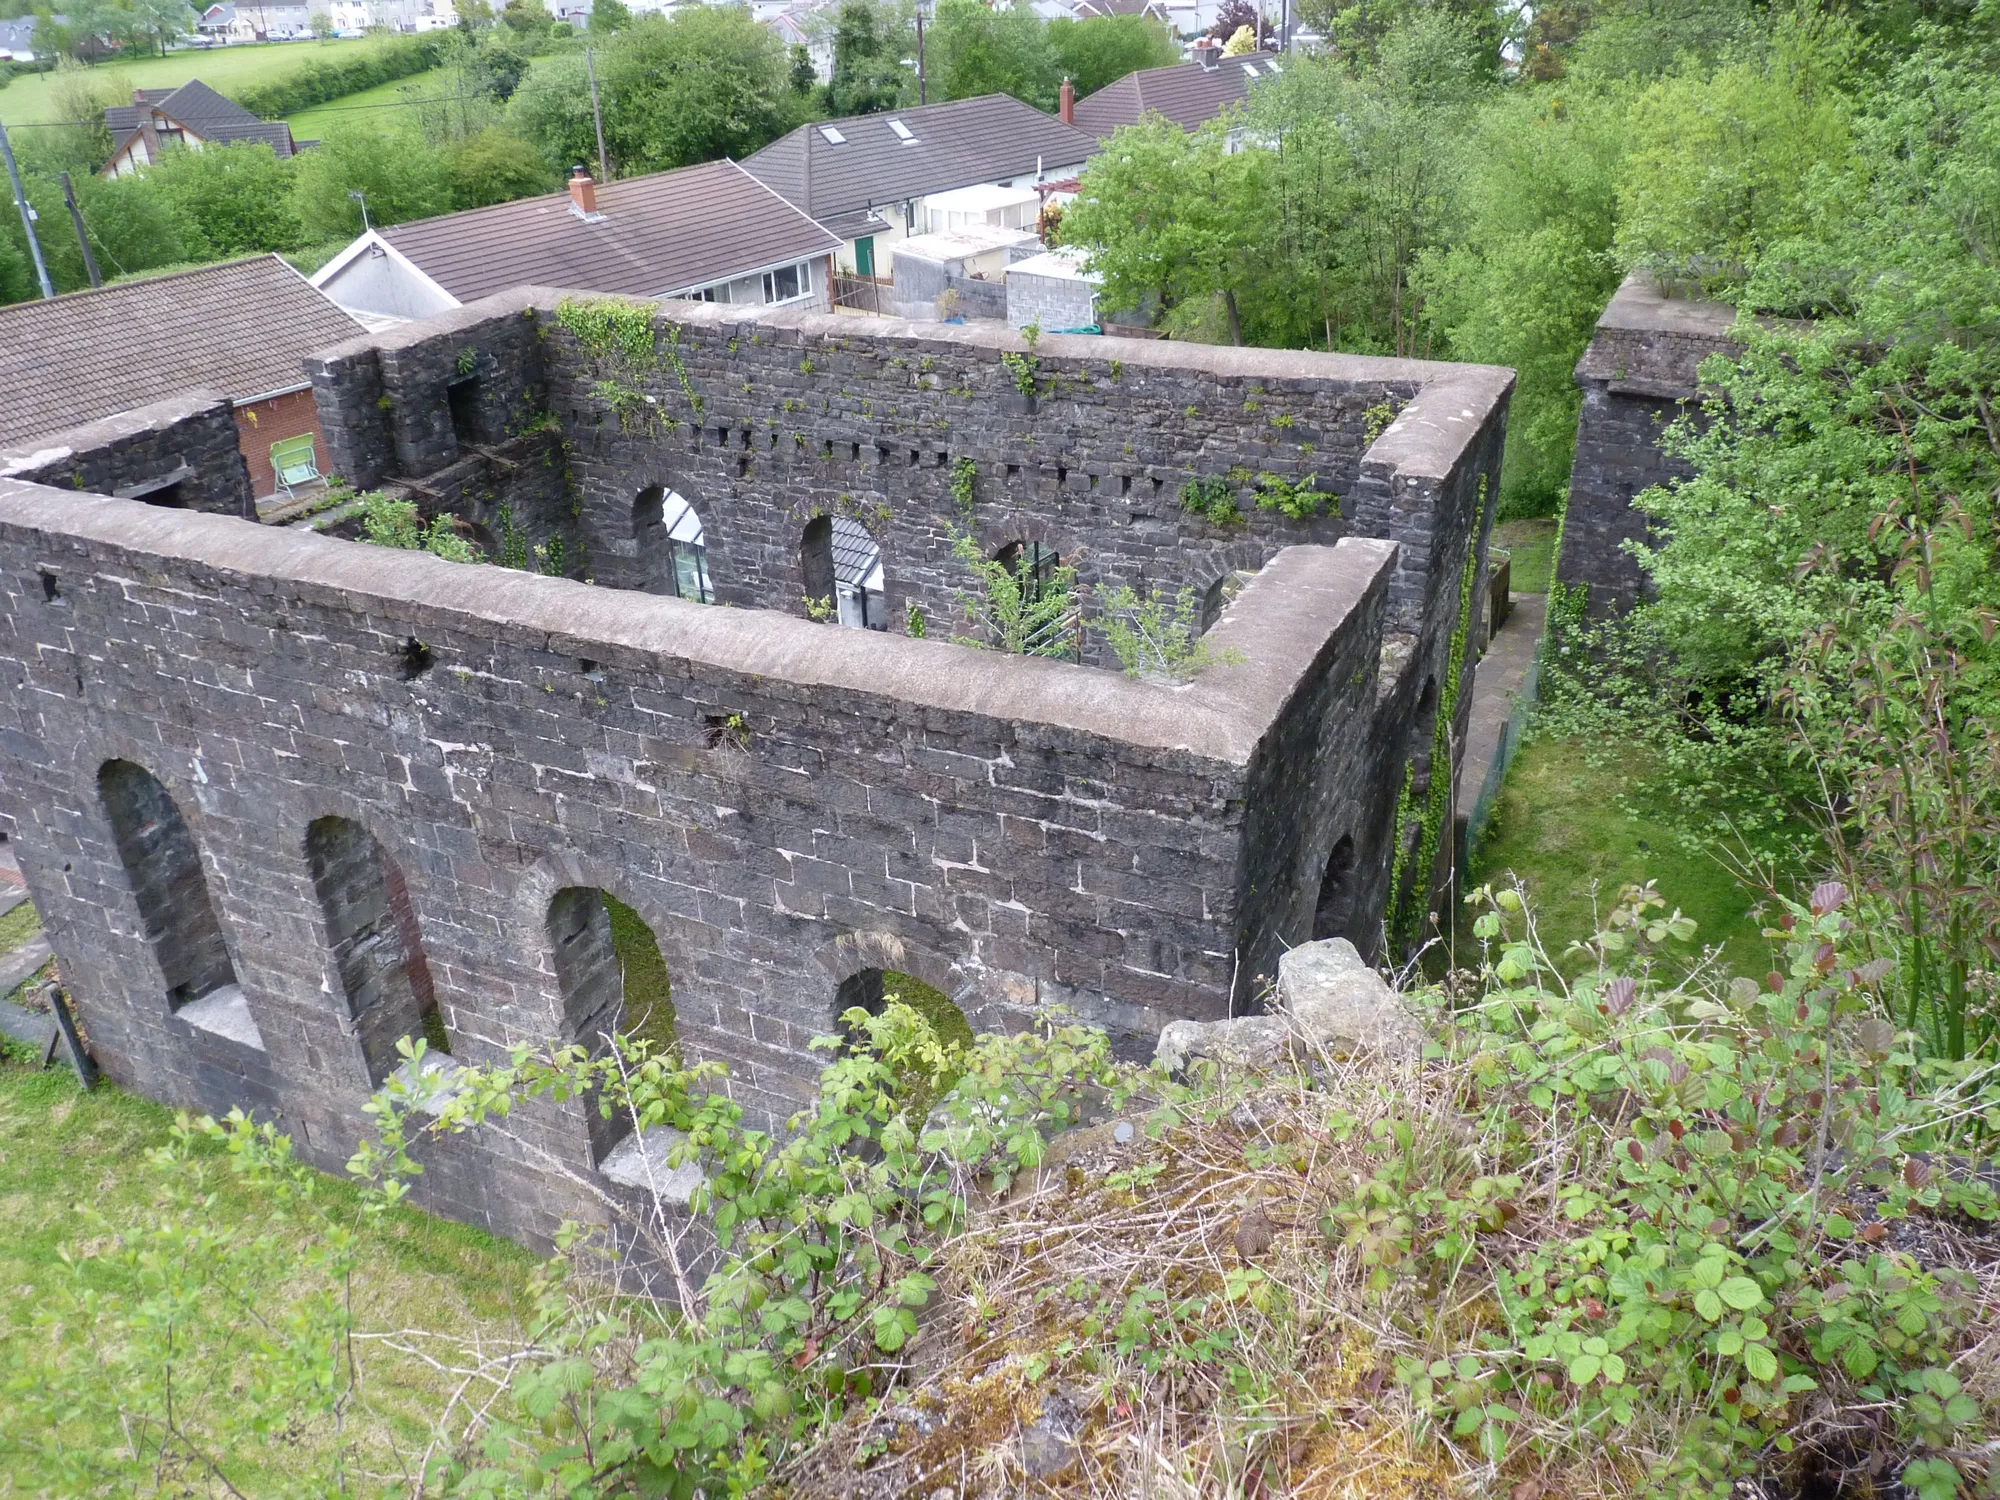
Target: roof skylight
{"x":902,"y":130}
{"x":833,"y":137}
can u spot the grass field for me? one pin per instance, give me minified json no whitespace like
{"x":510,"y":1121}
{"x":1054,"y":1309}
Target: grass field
{"x":31,"y":99}
{"x":1558,"y":825}
{"x":386,"y":105}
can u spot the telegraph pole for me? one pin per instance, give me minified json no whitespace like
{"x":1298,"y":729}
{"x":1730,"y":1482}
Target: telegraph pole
{"x":597,"y":115}
{"x":27,"y":215}
{"x":923,"y":91}
{"x":82,"y":239}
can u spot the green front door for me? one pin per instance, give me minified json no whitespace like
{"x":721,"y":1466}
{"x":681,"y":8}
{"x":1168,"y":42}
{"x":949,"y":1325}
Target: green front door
{"x":864,"y":256}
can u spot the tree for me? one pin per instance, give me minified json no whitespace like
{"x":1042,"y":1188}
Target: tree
{"x":709,"y":83}
{"x":805,"y":77}
{"x":1172,"y":218}
{"x":231,"y":199}
{"x":1104,"y":49}
{"x":1237,"y":16}
{"x":320,"y":24}
{"x":607,"y":16}
{"x":552,"y":110}
{"x":1528,"y":267}
{"x":496,"y":166}
{"x":869,"y":46}
{"x":399,"y":174}
{"x":525,"y":17}
{"x":974,"y":51}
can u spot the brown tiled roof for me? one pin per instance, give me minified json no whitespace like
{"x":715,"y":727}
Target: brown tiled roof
{"x":202,"y":110}
{"x":968,"y":141}
{"x":664,"y":233}
{"x":244,"y":327}
{"x":1189,"y":94}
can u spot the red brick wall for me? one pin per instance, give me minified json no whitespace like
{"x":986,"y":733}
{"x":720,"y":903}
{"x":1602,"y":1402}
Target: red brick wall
{"x":262,"y":423}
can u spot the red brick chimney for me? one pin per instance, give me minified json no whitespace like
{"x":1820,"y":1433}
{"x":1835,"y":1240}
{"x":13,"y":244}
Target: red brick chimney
{"x":1066,"y":107}
{"x":582,"y":191}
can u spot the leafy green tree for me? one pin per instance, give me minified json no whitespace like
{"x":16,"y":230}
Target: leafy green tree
{"x":1172,"y":219}
{"x":608,"y":16}
{"x":972,"y":50}
{"x":400,"y":176}
{"x":496,"y":166}
{"x":805,"y":77}
{"x":709,"y":83}
{"x":551,"y":109}
{"x":1366,"y":182}
{"x":229,"y":199}
{"x":1528,"y":268}
{"x":1104,"y":49}
{"x":525,"y":17}
{"x":869,"y":45}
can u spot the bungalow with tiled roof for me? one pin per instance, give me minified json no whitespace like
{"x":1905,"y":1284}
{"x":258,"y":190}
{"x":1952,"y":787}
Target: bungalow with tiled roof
{"x":192,"y":115}
{"x":243,"y":328}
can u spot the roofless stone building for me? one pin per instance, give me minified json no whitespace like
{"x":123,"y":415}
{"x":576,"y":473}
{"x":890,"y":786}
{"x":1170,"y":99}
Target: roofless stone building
{"x":283,"y":798}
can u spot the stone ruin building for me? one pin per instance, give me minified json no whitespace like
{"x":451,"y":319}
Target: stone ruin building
{"x":283,"y":797}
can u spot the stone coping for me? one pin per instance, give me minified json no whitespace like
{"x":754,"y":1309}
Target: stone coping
{"x":1282,"y":623}
{"x":51,"y":448}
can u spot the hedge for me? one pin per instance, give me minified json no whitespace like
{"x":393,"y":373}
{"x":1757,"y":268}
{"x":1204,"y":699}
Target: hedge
{"x":345,"y":72}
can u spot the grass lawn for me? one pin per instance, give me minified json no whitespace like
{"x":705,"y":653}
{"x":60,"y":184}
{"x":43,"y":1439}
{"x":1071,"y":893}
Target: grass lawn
{"x":1557,"y":824}
{"x":31,"y":99}
{"x":1532,"y":544}
{"x":384,"y":106}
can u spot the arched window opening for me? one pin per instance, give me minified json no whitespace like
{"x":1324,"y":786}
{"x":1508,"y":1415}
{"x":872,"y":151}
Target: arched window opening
{"x":1334,"y":912}
{"x":843,"y":573}
{"x":672,"y":545}
{"x":377,"y":947}
{"x":872,"y":990}
{"x":816,"y":563}
{"x":614,"y":981}
{"x":171,"y":889}
{"x":1035,"y":567}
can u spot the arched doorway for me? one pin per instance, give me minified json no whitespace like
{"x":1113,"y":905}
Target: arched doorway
{"x":614,"y":982}
{"x":164,"y":867}
{"x":673,"y":548}
{"x":376,"y":944}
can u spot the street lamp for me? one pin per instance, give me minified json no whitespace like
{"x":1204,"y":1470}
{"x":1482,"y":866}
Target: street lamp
{"x":362,"y":199}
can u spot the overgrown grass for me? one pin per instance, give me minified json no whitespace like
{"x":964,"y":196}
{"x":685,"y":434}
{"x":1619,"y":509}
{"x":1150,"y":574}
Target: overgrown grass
{"x":31,"y":99}
{"x":1532,"y":544}
{"x":1565,"y":824}
{"x":67,"y":1156}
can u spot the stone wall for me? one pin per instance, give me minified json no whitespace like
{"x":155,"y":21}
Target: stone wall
{"x":1640,"y":373}
{"x":180,"y":453}
{"x":786,"y":804}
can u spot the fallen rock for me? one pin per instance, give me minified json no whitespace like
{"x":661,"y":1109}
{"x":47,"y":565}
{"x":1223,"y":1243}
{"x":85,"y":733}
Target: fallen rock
{"x":1048,"y":1444}
{"x":1329,"y":1003}
{"x":1342,"y":1006}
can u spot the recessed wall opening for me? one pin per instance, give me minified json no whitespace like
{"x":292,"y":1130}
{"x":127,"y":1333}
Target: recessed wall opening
{"x":1334,"y":912}
{"x":673,"y":549}
{"x":168,"y":882}
{"x":377,"y":947}
{"x":614,"y":981}
{"x":1213,"y":598}
{"x":816,"y":566}
{"x":1034,"y":567}
{"x":872,"y":990}
{"x":51,"y":589}
{"x":463,"y":398}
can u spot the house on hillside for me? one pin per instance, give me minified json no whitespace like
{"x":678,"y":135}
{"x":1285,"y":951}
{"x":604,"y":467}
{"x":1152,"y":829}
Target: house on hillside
{"x":711,"y":232}
{"x":869,"y":178}
{"x":243,"y":328}
{"x":17,"y":37}
{"x":1190,"y":94}
{"x":193,"y":115}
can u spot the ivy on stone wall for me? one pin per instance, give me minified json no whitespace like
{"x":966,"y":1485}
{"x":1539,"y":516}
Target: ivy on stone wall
{"x":1407,"y":907}
{"x":622,"y":339}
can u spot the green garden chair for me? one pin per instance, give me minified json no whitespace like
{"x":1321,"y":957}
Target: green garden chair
{"x":292,"y":460}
